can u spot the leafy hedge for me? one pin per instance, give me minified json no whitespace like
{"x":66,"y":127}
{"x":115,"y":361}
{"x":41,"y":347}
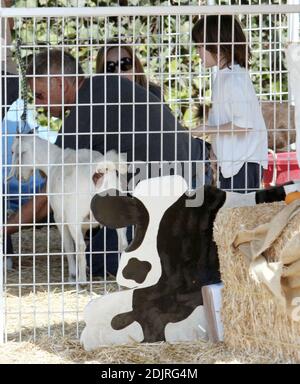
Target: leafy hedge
{"x":164,"y":46}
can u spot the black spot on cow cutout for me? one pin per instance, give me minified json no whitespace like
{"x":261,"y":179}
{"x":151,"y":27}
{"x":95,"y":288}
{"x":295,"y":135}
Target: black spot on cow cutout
{"x":122,"y":321}
{"x":136,"y":270}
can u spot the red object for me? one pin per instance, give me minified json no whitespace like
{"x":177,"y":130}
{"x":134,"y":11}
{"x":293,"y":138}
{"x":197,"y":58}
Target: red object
{"x":286,"y":168}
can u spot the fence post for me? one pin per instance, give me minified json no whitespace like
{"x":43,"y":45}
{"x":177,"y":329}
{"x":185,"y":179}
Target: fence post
{"x":1,"y":207}
{"x":293,"y":34}
{"x":293,"y":23}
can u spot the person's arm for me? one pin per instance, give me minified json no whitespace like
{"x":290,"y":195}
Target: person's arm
{"x":218,"y":129}
{"x":25,"y":215}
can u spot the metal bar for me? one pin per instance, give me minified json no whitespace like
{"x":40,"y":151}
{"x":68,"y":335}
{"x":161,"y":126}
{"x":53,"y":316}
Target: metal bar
{"x":1,"y":213}
{"x":150,"y":11}
{"x":293,"y":23}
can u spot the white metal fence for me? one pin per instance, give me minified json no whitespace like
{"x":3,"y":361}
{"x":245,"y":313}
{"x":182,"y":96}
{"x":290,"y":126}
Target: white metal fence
{"x":36,"y":298}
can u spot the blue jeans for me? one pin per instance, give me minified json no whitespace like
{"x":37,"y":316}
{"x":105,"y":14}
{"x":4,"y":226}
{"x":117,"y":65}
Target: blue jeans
{"x":246,"y":180}
{"x":7,"y":246}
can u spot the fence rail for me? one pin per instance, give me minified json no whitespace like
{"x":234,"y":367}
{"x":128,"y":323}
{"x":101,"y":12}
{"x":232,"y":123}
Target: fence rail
{"x":187,"y":10}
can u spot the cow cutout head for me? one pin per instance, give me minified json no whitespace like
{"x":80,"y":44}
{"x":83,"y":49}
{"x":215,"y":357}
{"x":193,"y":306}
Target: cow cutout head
{"x":140,"y":264}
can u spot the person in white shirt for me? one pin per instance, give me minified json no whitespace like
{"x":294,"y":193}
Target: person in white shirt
{"x":235,"y":120}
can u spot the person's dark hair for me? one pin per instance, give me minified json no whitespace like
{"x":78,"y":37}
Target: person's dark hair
{"x":228,"y":31}
{"x":140,"y":76}
{"x":54,"y":61}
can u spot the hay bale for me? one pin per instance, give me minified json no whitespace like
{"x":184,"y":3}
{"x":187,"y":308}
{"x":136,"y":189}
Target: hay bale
{"x":252,"y":320}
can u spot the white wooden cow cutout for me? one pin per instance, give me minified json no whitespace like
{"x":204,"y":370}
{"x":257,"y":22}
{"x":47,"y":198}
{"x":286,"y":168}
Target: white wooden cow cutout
{"x":172,"y":256}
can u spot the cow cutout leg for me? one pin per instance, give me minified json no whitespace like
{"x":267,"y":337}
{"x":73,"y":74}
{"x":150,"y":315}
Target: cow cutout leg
{"x":152,"y":331}
{"x":122,"y":320}
{"x":269,"y":195}
{"x":194,"y":327}
{"x":98,"y":316}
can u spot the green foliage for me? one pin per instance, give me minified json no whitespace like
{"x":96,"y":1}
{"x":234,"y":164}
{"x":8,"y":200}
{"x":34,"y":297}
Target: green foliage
{"x":44,"y":121}
{"x":164,"y":46}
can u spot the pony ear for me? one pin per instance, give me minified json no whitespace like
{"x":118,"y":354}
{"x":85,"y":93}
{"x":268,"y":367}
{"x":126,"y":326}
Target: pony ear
{"x":115,"y":211}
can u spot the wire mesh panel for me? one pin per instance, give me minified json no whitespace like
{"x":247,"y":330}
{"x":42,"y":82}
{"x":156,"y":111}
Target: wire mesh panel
{"x":115,"y":95}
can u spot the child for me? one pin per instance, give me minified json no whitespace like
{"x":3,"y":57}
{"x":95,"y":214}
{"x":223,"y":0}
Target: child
{"x":239,"y":135}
